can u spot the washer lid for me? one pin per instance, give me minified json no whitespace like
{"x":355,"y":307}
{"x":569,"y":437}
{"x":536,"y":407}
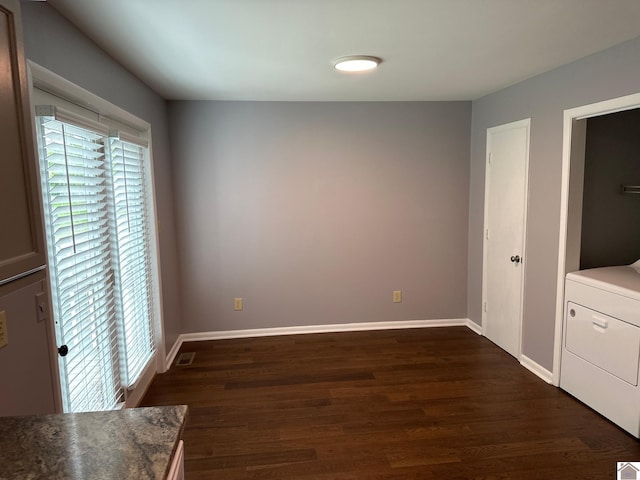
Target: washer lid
{"x":624,"y":280}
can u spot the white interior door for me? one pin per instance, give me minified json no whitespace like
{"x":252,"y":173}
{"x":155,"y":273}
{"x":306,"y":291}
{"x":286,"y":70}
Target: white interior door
{"x":505,"y":212}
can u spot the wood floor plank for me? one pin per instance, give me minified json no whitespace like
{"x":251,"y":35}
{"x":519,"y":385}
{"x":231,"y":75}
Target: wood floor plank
{"x":439,"y":403}
{"x":218,"y":462}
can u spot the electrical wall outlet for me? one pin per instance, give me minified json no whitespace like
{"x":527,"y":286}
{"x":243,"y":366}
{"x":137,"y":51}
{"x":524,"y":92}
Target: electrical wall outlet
{"x":237,"y":304}
{"x":397,"y":296}
{"x":4,"y":334}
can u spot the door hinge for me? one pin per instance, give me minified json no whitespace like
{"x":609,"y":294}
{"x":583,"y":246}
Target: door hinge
{"x":485,"y":306}
{"x":486,"y":234}
{"x":490,"y":158}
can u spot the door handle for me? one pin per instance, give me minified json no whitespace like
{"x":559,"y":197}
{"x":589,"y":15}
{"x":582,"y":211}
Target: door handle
{"x":515,"y":258}
{"x":599,"y":322}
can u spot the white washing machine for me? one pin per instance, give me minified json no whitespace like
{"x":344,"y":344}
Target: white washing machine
{"x":601,"y":342}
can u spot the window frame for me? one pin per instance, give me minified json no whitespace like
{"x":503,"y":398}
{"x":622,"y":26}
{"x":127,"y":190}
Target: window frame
{"x":72,"y":98}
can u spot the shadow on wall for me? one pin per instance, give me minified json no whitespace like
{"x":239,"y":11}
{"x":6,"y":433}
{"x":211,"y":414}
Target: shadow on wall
{"x":610,"y":226}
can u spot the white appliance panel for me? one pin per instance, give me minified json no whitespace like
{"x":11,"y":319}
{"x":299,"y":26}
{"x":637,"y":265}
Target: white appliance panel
{"x":601,"y":345}
{"x":604,"y":341}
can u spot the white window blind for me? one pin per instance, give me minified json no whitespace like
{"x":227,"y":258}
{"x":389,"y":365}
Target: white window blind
{"x":132,"y":247}
{"x":96,"y":222}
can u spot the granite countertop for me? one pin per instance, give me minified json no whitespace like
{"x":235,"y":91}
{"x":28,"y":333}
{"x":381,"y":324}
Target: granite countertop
{"x":136,"y":443}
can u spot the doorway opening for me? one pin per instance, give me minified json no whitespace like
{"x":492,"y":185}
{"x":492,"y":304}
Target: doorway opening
{"x":571,"y":199}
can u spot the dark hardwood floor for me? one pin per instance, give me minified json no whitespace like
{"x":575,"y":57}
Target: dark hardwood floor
{"x":438,"y":403}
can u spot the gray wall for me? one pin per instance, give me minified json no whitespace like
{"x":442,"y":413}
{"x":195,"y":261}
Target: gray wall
{"x":315,"y":212}
{"x":54,"y":43}
{"x":610,"y":220}
{"x":612,"y":73}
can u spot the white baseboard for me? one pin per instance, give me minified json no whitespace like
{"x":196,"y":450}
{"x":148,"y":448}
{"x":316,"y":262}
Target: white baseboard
{"x":171,"y":356}
{"x":340,"y":327}
{"x":473,"y":326}
{"x":536,"y":368}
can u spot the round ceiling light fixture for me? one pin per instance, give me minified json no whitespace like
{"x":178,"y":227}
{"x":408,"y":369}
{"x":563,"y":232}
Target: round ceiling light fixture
{"x":356,"y":63}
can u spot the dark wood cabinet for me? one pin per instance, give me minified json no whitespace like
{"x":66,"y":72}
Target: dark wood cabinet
{"x":21,"y":233}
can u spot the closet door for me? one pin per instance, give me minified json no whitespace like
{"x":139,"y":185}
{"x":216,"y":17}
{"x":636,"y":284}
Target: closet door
{"x":21,"y":240}
{"x":504,"y":242}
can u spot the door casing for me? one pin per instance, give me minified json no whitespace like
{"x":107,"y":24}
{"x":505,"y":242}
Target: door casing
{"x":573,"y":139}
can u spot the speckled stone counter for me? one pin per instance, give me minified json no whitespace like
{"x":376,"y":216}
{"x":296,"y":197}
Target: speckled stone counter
{"x":136,"y":443}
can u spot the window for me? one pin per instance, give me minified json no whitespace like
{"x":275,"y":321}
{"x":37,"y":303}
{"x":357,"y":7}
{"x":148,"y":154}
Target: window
{"x":95,"y":199}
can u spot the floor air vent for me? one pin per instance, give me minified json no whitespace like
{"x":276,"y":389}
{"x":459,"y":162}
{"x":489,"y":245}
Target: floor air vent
{"x":185,"y":359}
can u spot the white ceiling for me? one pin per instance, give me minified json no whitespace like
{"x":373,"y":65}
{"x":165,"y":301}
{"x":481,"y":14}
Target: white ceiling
{"x":284,"y":49}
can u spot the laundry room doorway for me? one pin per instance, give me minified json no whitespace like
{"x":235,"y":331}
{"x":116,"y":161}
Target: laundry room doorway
{"x":573,"y":198}
{"x":506,"y":189}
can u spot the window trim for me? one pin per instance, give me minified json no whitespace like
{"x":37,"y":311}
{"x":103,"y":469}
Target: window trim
{"x":77,"y":100}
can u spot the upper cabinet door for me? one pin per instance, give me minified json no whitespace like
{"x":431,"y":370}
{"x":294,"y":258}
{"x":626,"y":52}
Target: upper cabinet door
{"x":21,"y":237}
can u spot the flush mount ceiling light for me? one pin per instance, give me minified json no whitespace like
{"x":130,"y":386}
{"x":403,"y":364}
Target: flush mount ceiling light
{"x":356,"y":63}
